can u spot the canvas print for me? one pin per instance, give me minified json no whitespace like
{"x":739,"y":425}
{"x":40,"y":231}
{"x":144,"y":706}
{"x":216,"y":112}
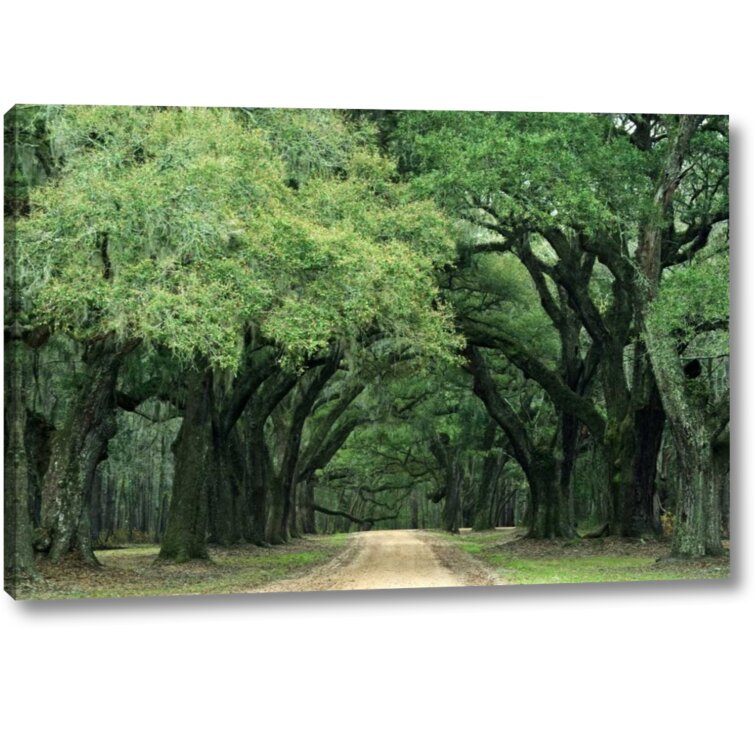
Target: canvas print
{"x":282,"y":350}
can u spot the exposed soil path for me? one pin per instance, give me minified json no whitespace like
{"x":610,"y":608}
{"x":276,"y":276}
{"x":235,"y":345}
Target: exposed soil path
{"x":393,"y":559}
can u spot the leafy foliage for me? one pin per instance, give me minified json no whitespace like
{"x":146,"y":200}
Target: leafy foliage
{"x":176,"y":227}
{"x":534,"y":170}
{"x":694,"y":299}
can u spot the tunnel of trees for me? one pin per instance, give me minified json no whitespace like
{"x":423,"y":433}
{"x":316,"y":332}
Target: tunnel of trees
{"x":244,"y":325}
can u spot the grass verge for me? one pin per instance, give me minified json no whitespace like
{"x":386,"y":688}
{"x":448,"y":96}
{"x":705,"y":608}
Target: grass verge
{"x":132,"y":571}
{"x":526,"y":561}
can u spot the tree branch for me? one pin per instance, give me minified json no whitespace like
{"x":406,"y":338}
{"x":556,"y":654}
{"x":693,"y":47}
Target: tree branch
{"x":352,"y":518}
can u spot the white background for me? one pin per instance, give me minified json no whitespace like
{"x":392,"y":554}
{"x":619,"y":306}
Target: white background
{"x":621,"y":657}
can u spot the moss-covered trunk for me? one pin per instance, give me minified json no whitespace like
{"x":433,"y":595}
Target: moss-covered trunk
{"x":307,"y":506}
{"x":263,"y":510}
{"x":452,"y":505}
{"x":568,"y":435}
{"x":283,"y":515}
{"x":257,"y":494}
{"x":450,"y":487}
{"x":77,"y":451}
{"x":649,"y":422}
{"x":186,"y":532}
{"x":695,"y":479}
{"x":277,"y":529}
{"x":697,"y":514}
{"x":697,"y":525}
{"x":717,"y":523}
{"x":19,"y":563}
{"x":483,"y":516}
{"x":227,"y":488}
{"x":547,"y":516}
{"x":619,"y":452}
{"x":618,"y":437}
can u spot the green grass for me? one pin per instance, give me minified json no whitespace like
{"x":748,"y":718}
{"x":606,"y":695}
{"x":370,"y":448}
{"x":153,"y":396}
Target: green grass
{"x":133,"y":571}
{"x":588,"y":570}
{"x":525,"y":561}
{"x":337,"y":539}
{"x":274,"y":561}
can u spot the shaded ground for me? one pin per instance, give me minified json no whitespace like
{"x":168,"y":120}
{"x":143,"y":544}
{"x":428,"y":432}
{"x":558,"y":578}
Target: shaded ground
{"x":132,"y":571}
{"x":528,"y":561}
{"x":370,"y":560}
{"x":373,"y":560}
{"x":394,"y":559}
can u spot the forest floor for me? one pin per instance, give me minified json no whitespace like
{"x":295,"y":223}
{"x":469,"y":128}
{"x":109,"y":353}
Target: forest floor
{"x":132,"y":571}
{"x":390,"y":559}
{"x":394,"y":559}
{"x":527,"y":561}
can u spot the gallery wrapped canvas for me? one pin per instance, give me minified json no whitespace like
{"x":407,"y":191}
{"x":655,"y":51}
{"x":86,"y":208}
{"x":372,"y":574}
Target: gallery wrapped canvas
{"x":254,"y":350}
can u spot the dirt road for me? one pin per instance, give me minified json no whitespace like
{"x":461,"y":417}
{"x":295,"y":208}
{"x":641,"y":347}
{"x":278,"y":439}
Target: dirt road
{"x":393,"y":559}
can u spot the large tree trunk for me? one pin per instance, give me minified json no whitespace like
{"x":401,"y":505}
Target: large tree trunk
{"x":77,"y":451}
{"x":577,"y":378}
{"x":649,"y":422}
{"x":227,"y":488}
{"x":261,"y":509}
{"x":19,"y":554}
{"x":257,"y":496}
{"x":283,"y":521}
{"x":697,"y":516}
{"x":619,"y":452}
{"x":38,"y":438}
{"x":230,"y":478}
{"x":547,"y":517}
{"x":453,"y":477}
{"x":569,"y":435}
{"x":307,"y":510}
{"x":220,"y":507}
{"x":186,"y":533}
{"x":718,"y":520}
{"x":452,"y":505}
{"x":18,"y":550}
{"x":695,"y":481}
{"x":619,"y":434}
{"x":277,"y":529}
{"x":483,"y":515}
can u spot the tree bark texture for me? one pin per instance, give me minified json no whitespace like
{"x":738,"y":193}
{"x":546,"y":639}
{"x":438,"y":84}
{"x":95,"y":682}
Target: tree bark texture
{"x":78,"y":449}
{"x":186,"y":532}
{"x":19,"y":553}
